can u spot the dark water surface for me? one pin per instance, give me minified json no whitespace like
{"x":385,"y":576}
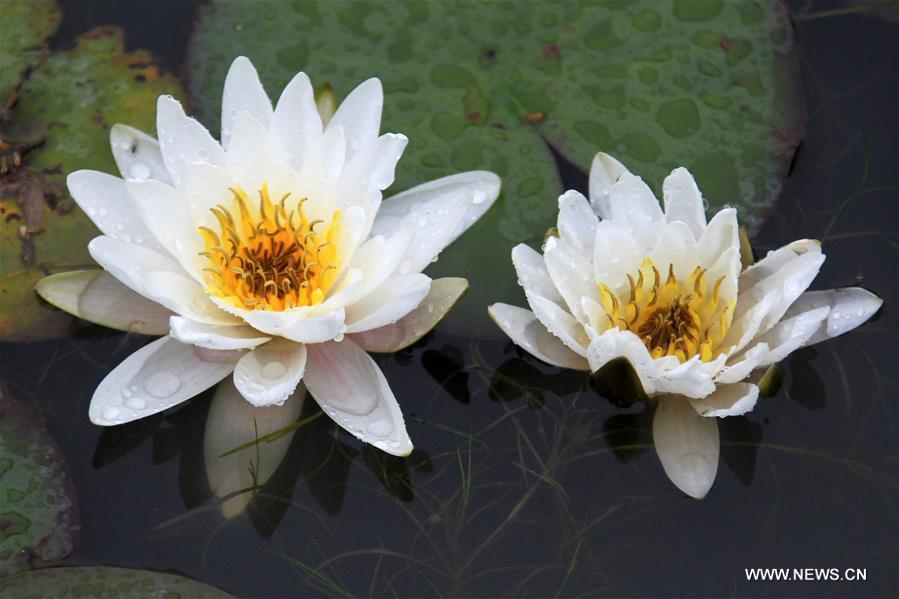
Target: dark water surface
{"x":551,"y":490}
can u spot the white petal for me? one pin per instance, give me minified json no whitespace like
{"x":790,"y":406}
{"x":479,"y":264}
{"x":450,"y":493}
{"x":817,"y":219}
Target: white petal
{"x":636,"y":210}
{"x":675,"y":247}
{"x":577,"y":223}
{"x":154,"y":378}
{"x":204,"y":187}
{"x":525,"y":331}
{"x":360,"y":114}
{"x":560,"y":323}
{"x":97,"y":296}
{"x":660,"y":375}
{"x":615,"y":254}
{"x":434,"y":226}
{"x":683,"y":201}
{"x":243,"y":93}
{"x":323,"y":167}
{"x":850,"y":307}
{"x":571,"y":274}
{"x":532,"y":274}
{"x":182,"y":139}
{"x":296,"y":325}
{"x":137,"y":155}
{"x":604,"y":173}
{"x":687,"y":445}
{"x":727,"y":400}
{"x":371,"y":170}
{"x":792,"y":332}
{"x":352,"y":390}
{"x":296,"y":126}
{"x":156,"y":277}
{"x":105,"y":200}
{"x":720,"y":235}
{"x":213,"y":336}
{"x":741,"y":367}
{"x":380,"y":257}
{"x":167,"y":214}
{"x":391,"y":301}
{"x":482,"y":186}
{"x":785,"y":285}
{"x":268,"y":374}
{"x":249,"y":159}
{"x":776,"y":260}
{"x":232,"y":421}
{"x":441,"y":298}
{"x":184,"y":296}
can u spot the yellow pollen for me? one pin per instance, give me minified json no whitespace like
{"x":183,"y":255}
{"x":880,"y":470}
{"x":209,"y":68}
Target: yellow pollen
{"x":265,"y":256}
{"x":677,"y":317}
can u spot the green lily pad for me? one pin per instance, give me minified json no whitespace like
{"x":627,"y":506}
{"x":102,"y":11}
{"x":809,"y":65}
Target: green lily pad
{"x":24,"y":27}
{"x":104,"y":582}
{"x":61,"y":124}
{"x":707,"y":84}
{"x":38,"y":506}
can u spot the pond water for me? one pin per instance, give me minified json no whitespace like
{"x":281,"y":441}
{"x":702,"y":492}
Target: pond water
{"x":525,"y":482}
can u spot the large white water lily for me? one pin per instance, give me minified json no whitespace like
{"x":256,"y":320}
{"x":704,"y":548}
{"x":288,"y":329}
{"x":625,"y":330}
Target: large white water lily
{"x":268,"y":254}
{"x":623,"y":277}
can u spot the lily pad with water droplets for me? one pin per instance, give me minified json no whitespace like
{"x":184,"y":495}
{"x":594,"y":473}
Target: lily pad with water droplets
{"x":38,"y":506}
{"x":103,"y":581}
{"x":61,"y":122}
{"x":707,"y":84}
{"x":24,"y":29}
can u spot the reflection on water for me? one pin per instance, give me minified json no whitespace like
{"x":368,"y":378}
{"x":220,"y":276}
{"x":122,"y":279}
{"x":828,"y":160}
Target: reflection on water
{"x":524,"y":481}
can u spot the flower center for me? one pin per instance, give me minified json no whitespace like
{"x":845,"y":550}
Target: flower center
{"x":266,"y":257}
{"x":681,"y":318}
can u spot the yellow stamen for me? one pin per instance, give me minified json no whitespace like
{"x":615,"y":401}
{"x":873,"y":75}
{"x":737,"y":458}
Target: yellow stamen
{"x":266,"y":257}
{"x":675,"y":318}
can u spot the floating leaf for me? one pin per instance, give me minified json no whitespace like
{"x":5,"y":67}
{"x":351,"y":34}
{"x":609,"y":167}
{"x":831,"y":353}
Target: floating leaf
{"x":618,"y":381}
{"x":38,"y":506}
{"x":707,"y":84}
{"x":24,"y":28}
{"x":63,"y":115}
{"x":89,"y":581}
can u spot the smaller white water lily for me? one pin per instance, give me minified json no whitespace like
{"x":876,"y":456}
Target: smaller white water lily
{"x":624,"y":278}
{"x":269,"y":255}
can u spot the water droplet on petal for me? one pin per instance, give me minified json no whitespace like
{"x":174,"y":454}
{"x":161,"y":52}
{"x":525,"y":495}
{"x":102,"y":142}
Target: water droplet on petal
{"x":162,"y":384}
{"x":479,"y":198}
{"x":136,"y":403}
{"x":139,"y":170}
{"x":273,"y":370}
{"x":110,"y":413}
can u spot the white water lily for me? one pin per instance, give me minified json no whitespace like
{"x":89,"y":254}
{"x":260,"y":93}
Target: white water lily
{"x":269,"y":255}
{"x":663,"y":288}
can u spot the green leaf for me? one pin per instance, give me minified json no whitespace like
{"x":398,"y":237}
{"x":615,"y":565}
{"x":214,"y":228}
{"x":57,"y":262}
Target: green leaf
{"x":24,"y":28}
{"x":104,"y":582}
{"x":709,"y":85}
{"x":61,"y":124}
{"x":38,"y":506}
{"x":618,"y":381}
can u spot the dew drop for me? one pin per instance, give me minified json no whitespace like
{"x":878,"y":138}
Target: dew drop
{"x":136,"y":403}
{"x":110,"y":413}
{"x":479,"y":198}
{"x":273,"y":370}
{"x":423,"y":222}
{"x":162,"y":384}
{"x":102,"y":211}
{"x":380,"y":428}
{"x":139,"y":170}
